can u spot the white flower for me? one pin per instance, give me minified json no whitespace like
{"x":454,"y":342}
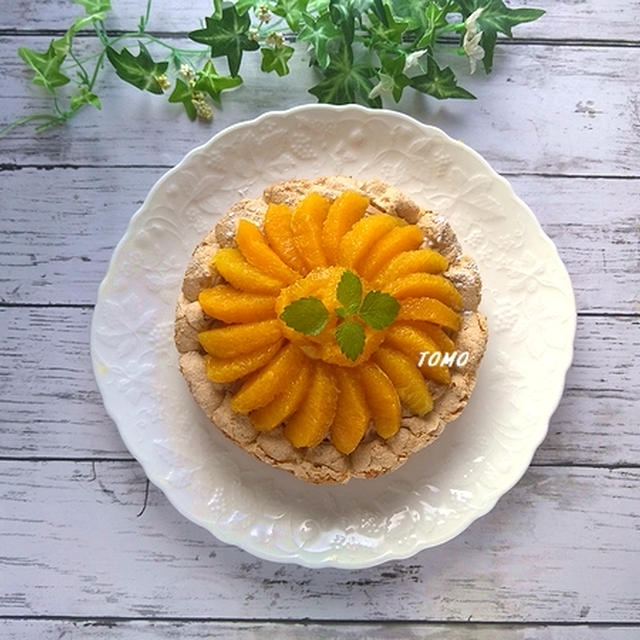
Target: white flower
{"x":263,"y":14}
{"x":471,"y":40}
{"x":186,"y":71}
{"x":253,"y":34}
{"x":275,"y":38}
{"x":470,"y":22}
{"x":384,"y":86}
{"x":412,"y":59}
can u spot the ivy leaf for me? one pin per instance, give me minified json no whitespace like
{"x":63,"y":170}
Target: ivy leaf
{"x":434,"y":18}
{"x":210,"y":82}
{"x":393,"y":67}
{"x":350,"y":338}
{"x":276,"y":59}
{"x":94,"y":6}
{"x":242,"y":6}
{"x":46,"y":67}
{"x":496,"y":17}
{"x":379,"y":309}
{"x":84,"y":97}
{"x":182,"y":92}
{"x":388,"y":30}
{"x":343,"y":14}
{"x":346,"y":81}
{"x":227,"y":36}
{"x":319,"y":33}
{"x":349,"y":292}
{"x":217,"y":10}
{"x":306,"y":315}
{"x":291,"y":11}
{"x":141,"y":71}
{"x":440,"y":83}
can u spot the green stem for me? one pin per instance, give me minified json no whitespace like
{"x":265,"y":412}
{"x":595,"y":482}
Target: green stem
{"x":145,"y":19}
{"x":26,"y":119}
{"x":82,"y":70}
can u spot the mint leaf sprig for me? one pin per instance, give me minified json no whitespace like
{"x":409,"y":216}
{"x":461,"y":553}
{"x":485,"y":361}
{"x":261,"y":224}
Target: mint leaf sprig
{"x":365,"y":51}
{"x":378,"y":310}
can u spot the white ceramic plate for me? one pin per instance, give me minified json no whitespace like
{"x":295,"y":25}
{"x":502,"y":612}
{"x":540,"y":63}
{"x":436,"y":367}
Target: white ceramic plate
{"x":527,"y":298}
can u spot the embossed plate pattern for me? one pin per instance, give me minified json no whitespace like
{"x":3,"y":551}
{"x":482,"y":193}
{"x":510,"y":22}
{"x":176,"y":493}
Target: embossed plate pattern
{"x":527,"y":298}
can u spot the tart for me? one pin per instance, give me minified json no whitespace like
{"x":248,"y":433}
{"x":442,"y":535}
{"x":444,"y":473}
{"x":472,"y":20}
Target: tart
{"x":311,"y":398}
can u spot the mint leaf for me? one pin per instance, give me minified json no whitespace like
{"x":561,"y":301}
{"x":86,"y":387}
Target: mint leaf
{"x":306,"y":315}
{"x":349,"y":292}
{"x":350,"y":338}
{"x":141,"y":71}
{"x":496,"y":17}
{"x":210,"y":82}
{"x":182,"y":92}
{"x":345,"y":81}
{"x":94,"y":6}
{"x":227,"y":36}
{"x":440,"y":83}
{"x":276,"y":59}
{"x":46,"y":67}
{"x":379,"y":309}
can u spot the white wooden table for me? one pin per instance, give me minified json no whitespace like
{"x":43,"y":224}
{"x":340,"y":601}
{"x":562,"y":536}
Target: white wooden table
{"x":89,"y":549}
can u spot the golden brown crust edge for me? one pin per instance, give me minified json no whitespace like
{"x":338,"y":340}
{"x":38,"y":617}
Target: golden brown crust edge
{"x":323,"y":463}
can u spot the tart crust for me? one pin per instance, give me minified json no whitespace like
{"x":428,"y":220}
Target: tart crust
{"x":374,"y":455}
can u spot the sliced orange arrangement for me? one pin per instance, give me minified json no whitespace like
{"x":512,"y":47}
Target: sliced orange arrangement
{"x":304,"y":378}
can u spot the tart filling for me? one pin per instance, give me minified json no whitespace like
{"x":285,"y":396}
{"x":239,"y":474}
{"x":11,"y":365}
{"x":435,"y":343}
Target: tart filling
{"x":318,"y":326}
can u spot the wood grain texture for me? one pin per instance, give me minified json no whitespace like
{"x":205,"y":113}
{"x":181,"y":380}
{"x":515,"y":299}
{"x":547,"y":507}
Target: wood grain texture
{"x":63,"y":258}
{"x":565,"y":19}
{"x":108,"y":553}
{"x":149,"y":629}
{"x":50,"y":407}
{"x":525,"y":120}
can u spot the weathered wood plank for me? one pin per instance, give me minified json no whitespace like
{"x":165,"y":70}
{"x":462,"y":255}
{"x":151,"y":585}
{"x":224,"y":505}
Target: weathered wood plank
{"x":63,"y":257}
{"x":133,"y":630}
{"x":588,"y":19}
{"x":49,"y":405}
{"x":562,"y":545}
{"x":541,"y":112}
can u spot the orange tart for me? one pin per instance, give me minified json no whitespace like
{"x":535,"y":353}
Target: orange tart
{"x":330,"y":327}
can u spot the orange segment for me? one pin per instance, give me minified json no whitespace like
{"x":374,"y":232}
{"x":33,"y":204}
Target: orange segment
{"x":262,"y":386}
{"x":430,"y":310}
{"x":393,"y":243}
{"x":343,"y":213}
{"x":236,"y":339}
{"x":382,"y":399}
{"x":277,"y":228}
{"x":283,"y":405}
{"x":306,"y":225}
{"x":230,"y":369}
{"x":352,"y":414}
{"x":420,"y":260}
{"x":406,"y":378}
{"x":257,"y":252}
{"x":311,"y":422}
{"x":229,"y":305}
{"x":232,"y":266}
{"x":444,"y":342}
{"x":357,"y":242}
{"x":426,"y":285}
{"x":413,"y":342}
